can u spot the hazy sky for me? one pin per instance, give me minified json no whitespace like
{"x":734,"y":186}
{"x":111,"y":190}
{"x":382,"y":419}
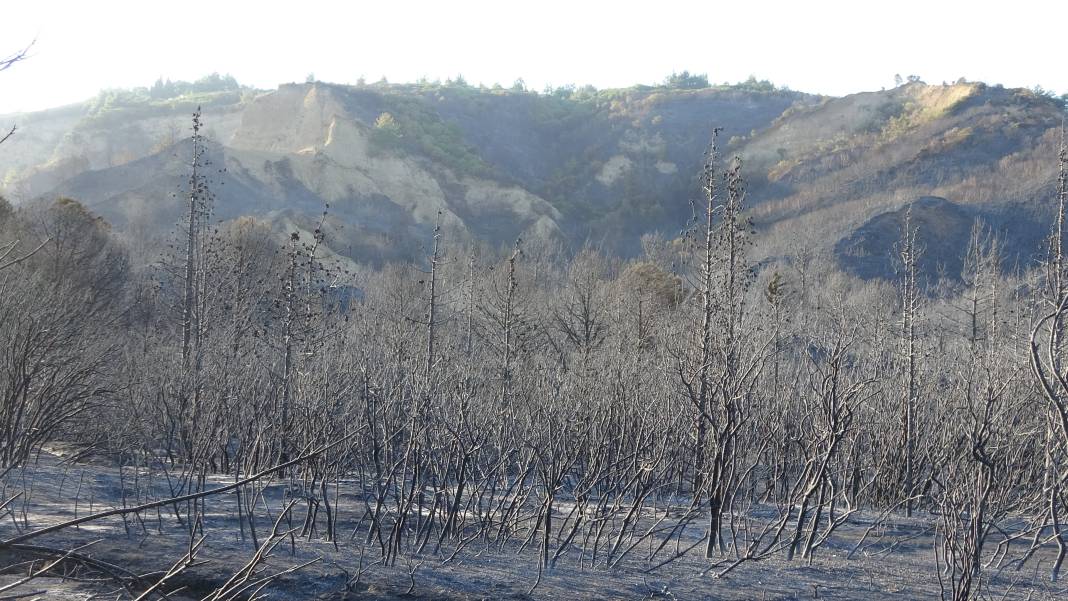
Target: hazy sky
{"x":828,"y":46}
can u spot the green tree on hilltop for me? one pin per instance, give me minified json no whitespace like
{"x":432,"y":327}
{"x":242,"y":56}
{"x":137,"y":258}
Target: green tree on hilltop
{"x":686,"y":80}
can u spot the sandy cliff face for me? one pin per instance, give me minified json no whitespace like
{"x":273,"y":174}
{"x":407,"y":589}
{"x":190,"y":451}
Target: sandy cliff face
{"x":330,"y":153}
{"x":292,"y":119}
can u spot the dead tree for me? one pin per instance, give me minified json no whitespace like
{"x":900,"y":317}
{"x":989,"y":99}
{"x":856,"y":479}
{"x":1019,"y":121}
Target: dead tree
{"x":719,"y":374}
{"x":909,"y":254}
{"x":196,"y":212}
{"x":432,"y":306}
{"x":6,"y":63}
{"x":1047,"y":360}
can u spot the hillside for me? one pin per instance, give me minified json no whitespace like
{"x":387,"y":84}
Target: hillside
{"x":606,"y":166}
{"x":827,"y":173}
{"x":571,"y":165}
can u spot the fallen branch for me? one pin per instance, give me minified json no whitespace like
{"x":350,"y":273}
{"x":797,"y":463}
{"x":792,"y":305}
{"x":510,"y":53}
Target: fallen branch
{"x":35,"y":574}
{"x":173,"y":500}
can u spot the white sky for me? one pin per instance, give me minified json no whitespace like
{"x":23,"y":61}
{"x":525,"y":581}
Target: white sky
{"x":827,"y":46}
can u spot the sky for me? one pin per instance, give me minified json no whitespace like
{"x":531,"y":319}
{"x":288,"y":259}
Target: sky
{"x":821,"y":46}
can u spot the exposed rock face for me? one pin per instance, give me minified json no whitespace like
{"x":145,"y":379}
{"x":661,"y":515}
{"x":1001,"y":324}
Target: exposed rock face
{"x":613,"y":169}
{"x":294,"y":118}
